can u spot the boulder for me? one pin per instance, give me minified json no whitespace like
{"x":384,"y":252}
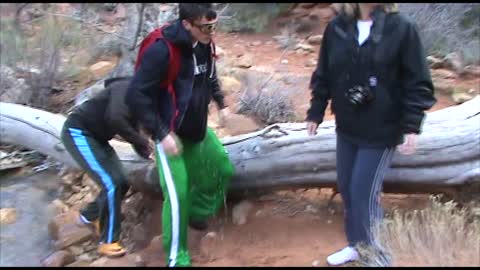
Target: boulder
{"x":58,"y":259}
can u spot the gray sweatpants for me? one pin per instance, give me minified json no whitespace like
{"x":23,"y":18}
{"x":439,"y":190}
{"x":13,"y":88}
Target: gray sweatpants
{"x":360,"y":173}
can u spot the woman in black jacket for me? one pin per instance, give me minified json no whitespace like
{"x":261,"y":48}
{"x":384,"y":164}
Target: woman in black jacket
{"x":372,"y":66}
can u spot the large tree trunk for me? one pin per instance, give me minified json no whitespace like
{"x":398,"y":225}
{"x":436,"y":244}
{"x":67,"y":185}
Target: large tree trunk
{"x":282,"y":155}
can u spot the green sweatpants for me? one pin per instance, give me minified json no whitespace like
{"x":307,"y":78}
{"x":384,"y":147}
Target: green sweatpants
{"x":194,"y":185}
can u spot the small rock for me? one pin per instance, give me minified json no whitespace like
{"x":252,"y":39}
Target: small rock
{"x":256,"y":43}
{"x":71,"y":178}
{"x":240,"y":212}
{"x":87,"y":181}
{"x":207,"y":244}
{"x":79,"y":264}
{"x":454,"y":61}
{"x":8,"y":216}
{"x":100,"y":69}
{"x":230,"y":84}
{"x":245,"y":61}
{"x":100,"y":262}
{"x":434,"y":62}
{"x":305,"y":47}
{"x":315,"y":40}
{"x":211,"y":234}
{"x":76,"y":188}
{"x":284,"y":61}
{"x":311,"y":194}
{"x":329,"y":221}
{"x":311,"y":63}
{"x":316,"y":263}
{"x":85,"y":257}
{"x":90,"y":247}
{"x":444,"y":73}
{"x":59,"y":206}
{"x":302,"y":52}
{"x":85,"y":244}
{"x":311,"y":209}
{"x":89,"y":197}
{"x":75,"y":250}
{"x":139,"y":235}
{"x":300,"y":190}
{"x":139,"y":261}
{"x":471,"y":72}
{"x":476,"y":211}
{"x":67,"y":180}
{"x":58,"y":259}
{"x":72,"y":234}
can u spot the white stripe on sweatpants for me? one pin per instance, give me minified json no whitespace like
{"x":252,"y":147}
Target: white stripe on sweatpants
{"x":172,"y":195}
{"x":377,"y":183}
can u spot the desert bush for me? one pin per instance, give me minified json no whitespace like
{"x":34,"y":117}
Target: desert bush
{"x":267,"y":108}
{"x":448,"y":27}
{"x":443,"y":234}
{"x":264,"y":98}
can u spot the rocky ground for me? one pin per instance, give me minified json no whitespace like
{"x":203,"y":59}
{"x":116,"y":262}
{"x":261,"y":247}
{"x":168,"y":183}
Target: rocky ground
{"x":281,"y":228}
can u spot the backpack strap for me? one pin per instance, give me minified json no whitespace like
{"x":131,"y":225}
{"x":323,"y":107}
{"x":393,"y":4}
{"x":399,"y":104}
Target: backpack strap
{"x":173,"y":70}
{"x":173,"y":63}
{"x":214,"y":57}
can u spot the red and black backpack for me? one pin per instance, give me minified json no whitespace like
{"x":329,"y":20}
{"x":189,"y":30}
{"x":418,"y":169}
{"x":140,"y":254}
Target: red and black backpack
{"x":174,"y":52}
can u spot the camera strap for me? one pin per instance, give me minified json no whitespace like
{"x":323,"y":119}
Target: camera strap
{"x":375,"y":36}
{"x":371,"y":77}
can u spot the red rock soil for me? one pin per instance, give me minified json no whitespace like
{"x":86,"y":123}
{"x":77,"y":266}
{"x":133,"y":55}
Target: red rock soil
{"x":279,"y":231}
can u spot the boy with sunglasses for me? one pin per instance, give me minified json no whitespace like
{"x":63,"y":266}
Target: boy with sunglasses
{"x":194,"y":168}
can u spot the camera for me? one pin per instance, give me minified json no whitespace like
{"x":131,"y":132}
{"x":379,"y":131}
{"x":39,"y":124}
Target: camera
{"x":359,"y":95}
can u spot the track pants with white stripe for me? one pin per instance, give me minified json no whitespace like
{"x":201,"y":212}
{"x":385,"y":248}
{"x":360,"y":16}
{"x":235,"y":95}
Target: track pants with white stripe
{"x":360,"y":173}
{"x":194,"y":185}
{"x":101,"y":163}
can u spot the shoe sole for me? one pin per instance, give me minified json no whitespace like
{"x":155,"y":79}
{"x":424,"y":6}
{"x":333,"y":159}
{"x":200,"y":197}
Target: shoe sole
{"x":113,"y":255}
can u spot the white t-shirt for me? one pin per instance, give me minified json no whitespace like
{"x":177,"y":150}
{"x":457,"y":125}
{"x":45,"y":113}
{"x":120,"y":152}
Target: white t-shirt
{"x":363,"y":30}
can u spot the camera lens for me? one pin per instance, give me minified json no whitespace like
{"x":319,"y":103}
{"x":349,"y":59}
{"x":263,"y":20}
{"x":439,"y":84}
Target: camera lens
{"x":357,"y":98}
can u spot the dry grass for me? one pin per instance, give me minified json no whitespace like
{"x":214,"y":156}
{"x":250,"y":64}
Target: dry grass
{"x":447,"y":27}
{"x":268,"y":108}
{"x":440,"y":235}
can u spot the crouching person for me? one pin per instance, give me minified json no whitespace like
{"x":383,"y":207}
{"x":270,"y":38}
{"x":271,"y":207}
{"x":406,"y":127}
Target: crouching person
{"x":86,"y":134}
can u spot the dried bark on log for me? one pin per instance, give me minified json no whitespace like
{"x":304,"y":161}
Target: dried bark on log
{"x":282,"y":156}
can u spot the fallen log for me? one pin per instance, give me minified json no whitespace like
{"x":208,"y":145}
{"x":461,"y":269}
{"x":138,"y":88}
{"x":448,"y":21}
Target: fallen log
{"x":283,"y":156}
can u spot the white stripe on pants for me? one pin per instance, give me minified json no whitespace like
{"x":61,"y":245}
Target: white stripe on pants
{"x":172,"y":195}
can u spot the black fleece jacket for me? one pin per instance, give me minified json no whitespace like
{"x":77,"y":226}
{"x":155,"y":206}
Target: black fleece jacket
{"x":106,"y":115}
{"x":393,"y":55}
{"x":153,"y":105}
